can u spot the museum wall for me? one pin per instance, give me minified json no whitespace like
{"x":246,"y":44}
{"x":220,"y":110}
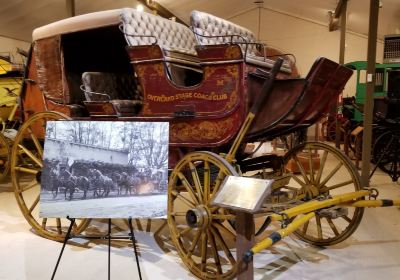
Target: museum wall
{"x":8,"y":45}
{"x":306,"y":39}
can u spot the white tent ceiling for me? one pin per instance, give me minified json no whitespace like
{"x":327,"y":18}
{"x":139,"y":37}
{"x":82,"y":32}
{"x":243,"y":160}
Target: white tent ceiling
{"x":19,"y":17}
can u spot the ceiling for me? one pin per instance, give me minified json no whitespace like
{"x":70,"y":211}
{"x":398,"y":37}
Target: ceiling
{"x":18,"y":18}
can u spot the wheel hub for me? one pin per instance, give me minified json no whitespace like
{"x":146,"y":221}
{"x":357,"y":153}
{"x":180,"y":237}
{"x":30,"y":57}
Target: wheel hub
{"x":198,"y":217}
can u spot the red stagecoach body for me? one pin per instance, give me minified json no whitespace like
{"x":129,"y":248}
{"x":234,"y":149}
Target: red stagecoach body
{"x":203,"y":91}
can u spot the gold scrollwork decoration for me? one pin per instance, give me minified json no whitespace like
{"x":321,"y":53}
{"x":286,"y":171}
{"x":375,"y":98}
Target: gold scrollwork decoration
{"x":205,"y":130}
{"x":154,"y":52}
{"x":232,"y":52}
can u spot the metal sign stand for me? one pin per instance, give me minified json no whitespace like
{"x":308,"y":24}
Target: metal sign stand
{"x":131,"y":237}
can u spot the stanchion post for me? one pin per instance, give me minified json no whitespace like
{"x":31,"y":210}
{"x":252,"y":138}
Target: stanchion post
{"x":244,"y":242}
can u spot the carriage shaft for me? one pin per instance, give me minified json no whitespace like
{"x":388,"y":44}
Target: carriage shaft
{"x":309,"y":210}
{"x":374,"y":203}
{"x":318,"y":204}
{"x":278,"y":235}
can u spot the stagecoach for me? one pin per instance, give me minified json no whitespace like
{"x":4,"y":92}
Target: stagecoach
{"x":219,"y":90}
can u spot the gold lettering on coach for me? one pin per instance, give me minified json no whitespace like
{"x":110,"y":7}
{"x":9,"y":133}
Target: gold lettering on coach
{"x":187,"y":95}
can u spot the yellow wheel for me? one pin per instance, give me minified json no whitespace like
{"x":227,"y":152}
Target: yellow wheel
{"x":26,"y":166}
{"x":317,"y":172}
{"x":202,"y":234}
{"x":4,"y":157}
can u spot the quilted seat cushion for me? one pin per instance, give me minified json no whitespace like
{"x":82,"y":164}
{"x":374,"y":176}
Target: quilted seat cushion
{"x":111,"y":94}
{"x":168,"y":34}
{"x":176,"y":41}
{"x":212,"y":30}
{"x":103,"y":86}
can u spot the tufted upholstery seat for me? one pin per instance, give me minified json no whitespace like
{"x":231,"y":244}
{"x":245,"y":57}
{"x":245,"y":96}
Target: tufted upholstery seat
{"x":118,"y":89}
{"x":176,"y":40}
{"x":212,"y":30}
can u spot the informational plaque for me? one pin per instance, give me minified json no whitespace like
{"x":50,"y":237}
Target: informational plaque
{"x":242,"y":193}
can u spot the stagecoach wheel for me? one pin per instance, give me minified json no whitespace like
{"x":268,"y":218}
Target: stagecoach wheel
{"x":331,"y":131}
{"x":318,"y":171}
{"x":26,"y":166}
{"x":202,"y":234}
{"x":386,"y":153}
{"x":4,"y":157}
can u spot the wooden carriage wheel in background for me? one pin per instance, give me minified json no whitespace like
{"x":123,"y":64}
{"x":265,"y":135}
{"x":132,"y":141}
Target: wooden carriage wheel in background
{"x":386,"y":153}
{"x":5,"y":154}
{"x":26,"y":166}
{"x":319,"y":171}
{"x":202,"y":234}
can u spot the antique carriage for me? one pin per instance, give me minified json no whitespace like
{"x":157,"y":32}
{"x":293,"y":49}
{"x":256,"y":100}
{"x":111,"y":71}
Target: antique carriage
{"x":11,"y":75}
{"x":218,"y":90}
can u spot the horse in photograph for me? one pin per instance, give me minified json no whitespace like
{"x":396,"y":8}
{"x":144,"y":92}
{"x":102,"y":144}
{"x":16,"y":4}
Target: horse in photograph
{"x":67,"y":182}
{"x":101,"y":184}
{"x":83,"y":184}
{"x":127,"y":183}
{"x":50,"y":176}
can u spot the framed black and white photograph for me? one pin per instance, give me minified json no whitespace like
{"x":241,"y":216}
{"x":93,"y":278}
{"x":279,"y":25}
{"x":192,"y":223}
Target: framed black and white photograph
{"x":105,"y":169}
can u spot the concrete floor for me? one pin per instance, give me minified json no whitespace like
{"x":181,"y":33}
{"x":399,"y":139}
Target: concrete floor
{"x":372,"y":252}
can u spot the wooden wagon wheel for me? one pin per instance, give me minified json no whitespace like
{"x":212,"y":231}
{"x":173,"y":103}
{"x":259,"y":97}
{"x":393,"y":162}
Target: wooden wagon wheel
{"x":26,"y":165}
{"x":202,"y":233}
{"x":318,"y":171}
{"x":385,"y":153}
{"x":5,"y":152}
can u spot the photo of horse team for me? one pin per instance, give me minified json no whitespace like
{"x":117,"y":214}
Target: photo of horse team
{"x":105,"y":169}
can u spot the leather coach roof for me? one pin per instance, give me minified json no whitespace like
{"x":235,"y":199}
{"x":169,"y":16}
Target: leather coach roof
{"x":78,"y":23}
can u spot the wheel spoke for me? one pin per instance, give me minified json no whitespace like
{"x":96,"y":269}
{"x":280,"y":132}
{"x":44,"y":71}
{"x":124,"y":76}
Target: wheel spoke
{"x":203,"y":252}
{"x":184,"y":231}
{"x":217,"y":183}
{"x":44,"y":222}
{"x":333,"y":172}
{"x":321,"y":167}
{"x":222,"y":228}
{"x":36,"y":142}
{"x":223,"y":245}
{"x":346,"y":219}
{"x":179,"y":214}
{"x":188,"y":187}
{"x":31,"y":155}
{"x":301,"y":168}
{"x":223,"y":217}
{"x":26,"y":170}
{"x":34,"y":204}
{"x":194,"y":243}
{"x":183,"y":199}
{"x":325,"y":189}
{"x":31,"y":185}
{"x":332,"y":225}
{"x":58,"y":221}
{"x":311,"y":165}
{"x":301,"y":183}
{"x":290,"y":188}
{"x":4,"y":155}
{"x":196,"y":181}
{"x":305,"y":227}
{"x":319,"y":228}
{"x":206,"y":193}
{"x":215,"y":252}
